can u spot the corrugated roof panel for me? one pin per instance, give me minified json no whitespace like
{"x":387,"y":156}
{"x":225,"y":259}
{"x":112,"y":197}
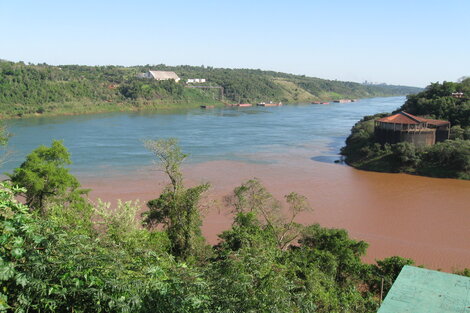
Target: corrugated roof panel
{"x":164,"y":75}
{"x":407,"y":118}
{"x":419,"y":290}
{"x":438,"y":122}
{"x":399,"y":118}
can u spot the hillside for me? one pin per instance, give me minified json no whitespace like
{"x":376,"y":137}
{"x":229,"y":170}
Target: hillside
{"x":28,"y":89}
{"x":251,"y":85}
{"x":450,"y":158}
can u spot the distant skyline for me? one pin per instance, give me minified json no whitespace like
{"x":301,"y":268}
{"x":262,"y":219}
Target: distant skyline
{"x":395,"y":42}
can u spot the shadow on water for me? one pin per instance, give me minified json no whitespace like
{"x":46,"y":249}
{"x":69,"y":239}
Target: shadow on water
{"x":336,"y":143}
{"x":328,"y":159}
{"x":332,"y":151}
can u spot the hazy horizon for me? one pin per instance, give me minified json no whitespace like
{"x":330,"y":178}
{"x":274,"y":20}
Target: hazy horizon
{"x":400,"y":43}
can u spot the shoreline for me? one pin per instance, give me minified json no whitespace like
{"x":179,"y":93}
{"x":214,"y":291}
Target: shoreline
{"x":366,"y":169}
{"x":129,"y":107}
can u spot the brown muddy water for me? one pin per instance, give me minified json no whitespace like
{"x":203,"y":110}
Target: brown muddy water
{"x":422,"y":218}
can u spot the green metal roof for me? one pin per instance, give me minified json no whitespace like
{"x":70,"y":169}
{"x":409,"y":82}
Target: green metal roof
{"x":418,"y":290}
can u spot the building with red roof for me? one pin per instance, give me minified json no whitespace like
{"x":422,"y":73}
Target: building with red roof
{"x":405,"y":127}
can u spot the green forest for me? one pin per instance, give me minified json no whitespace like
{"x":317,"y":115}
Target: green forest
{"x":450,"y":158}
{"x":60,"y":252}
{"x":34,"y":89}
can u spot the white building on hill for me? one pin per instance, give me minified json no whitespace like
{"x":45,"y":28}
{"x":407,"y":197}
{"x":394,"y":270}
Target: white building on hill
{"x":160,"y":75}
{"x":196,"y":80}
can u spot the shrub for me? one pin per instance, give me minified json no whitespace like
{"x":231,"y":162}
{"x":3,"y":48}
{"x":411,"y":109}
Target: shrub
{"x":451,"y":155}
{"x":406,"y":154}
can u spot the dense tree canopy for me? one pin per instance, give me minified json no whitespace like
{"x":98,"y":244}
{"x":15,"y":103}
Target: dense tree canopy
{"x":438,"y":102}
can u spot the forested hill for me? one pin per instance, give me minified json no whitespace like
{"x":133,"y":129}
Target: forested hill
{"x":447,"y":101}
{"x":27,"y":89}
{"x":251,"y":85}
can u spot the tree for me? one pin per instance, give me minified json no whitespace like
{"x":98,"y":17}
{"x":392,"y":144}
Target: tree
{"x":345,"y":252}
{"x":45,"y":177}
{"x":386,"y":270}
{"x":169,"y":159}
{"x":17,"y":233}
{"x":406,"y":154}
{"x":177,"y":208}
{"x":258,"y":269}
{"x":252,"y":197}
{"x":360,"y":143}
{"x":450,"y":157}
{"x":457,"y":132}
{"x":44,"y":267}
{"x":464,"y":272}
{"x":4,"y":137}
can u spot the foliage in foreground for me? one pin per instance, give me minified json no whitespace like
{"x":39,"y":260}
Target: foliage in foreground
{"x":101,"y":260}
{"x":49,"y":268}
{"x":117,"y":266}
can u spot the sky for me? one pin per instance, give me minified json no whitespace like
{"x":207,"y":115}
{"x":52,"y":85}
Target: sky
{"x":410,"y":42}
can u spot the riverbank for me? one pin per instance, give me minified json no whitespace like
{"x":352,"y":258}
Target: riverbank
{"x":151,"y":106}
{"x":86,"y":108}
{"x":421,"y":218}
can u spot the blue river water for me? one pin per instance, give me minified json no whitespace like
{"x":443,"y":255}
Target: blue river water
{"x":113,"y":141}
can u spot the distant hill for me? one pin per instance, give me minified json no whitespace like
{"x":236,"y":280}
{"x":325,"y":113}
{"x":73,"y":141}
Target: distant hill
{"x":250,"y":85}
{"x":27,"y":89}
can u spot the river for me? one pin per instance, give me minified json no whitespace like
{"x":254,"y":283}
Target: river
{"x":290,"y":148}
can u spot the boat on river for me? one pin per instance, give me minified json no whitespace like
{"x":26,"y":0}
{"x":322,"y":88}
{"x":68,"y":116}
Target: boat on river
{"x":269,"y":104}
